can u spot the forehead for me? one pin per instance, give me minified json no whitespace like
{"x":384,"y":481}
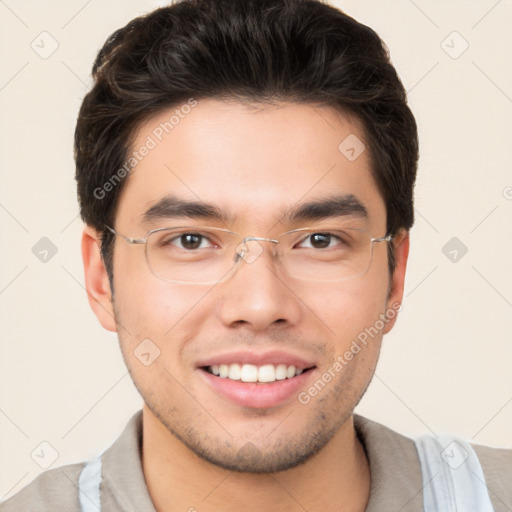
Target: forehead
{"x":253,"y":162}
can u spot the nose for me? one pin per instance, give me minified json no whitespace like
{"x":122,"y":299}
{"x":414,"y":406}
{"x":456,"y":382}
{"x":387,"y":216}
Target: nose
{"x":256,"y":296}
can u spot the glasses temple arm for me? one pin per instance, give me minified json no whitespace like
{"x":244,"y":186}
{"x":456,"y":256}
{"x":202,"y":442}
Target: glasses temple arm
{"x":127,"y":238}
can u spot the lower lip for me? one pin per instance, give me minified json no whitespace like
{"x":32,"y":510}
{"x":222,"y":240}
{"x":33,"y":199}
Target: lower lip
{"x":257,"y":394}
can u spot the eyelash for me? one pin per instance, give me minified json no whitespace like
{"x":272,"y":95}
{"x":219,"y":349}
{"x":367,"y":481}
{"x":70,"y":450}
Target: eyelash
{"x":178,"y":238}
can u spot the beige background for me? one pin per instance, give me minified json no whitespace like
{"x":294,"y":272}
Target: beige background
{"x":446,"y":365}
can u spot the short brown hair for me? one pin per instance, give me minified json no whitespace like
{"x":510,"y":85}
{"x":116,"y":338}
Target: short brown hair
{"x":302,"y":51}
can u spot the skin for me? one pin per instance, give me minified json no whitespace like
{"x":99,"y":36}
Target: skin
{"x":254,"y":164}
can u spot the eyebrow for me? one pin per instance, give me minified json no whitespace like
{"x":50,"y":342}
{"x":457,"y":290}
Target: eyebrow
{"x":172,"y":207}
{"x":335,"y":206}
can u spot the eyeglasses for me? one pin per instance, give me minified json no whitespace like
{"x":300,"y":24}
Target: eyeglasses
{"x":207,"y":255}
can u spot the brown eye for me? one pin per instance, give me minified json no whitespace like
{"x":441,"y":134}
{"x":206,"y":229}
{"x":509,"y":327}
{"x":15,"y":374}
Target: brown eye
{"x":191,"y":241}
{"x":185,"y":241}
{"x":320,"y":240}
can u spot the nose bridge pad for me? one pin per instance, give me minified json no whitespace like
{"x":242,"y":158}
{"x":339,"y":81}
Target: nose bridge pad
{"x":249,"y":250}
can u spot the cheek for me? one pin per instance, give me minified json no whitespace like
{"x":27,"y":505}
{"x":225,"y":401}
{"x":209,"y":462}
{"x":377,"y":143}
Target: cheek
{"x":158,"y":322}
{"x":149,"y":307}
{"x":346,"y":309}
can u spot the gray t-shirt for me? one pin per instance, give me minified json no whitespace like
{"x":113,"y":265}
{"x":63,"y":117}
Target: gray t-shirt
{"x":396,"y":480}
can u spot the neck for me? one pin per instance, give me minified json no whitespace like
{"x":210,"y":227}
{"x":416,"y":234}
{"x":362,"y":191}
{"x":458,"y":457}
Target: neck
{"x":336,"y":479}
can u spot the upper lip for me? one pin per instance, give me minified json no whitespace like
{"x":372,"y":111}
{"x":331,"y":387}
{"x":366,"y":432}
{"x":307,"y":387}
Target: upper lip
{"x":274,"y":357}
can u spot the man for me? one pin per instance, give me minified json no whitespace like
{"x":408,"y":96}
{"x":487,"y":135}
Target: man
{"x":245,"y":171}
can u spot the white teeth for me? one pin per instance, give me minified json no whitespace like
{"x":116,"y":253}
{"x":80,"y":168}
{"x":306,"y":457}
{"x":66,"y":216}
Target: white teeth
{"x":234,"y":371}
{"x":253,"y":373}
{"x":281,"y":371}
{"x":266,"y":373}
{"x":249,"y":373}
{"x":290,"y":372}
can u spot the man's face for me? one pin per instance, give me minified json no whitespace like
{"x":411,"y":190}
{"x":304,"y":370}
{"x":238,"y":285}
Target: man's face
{"x":254,"y":166}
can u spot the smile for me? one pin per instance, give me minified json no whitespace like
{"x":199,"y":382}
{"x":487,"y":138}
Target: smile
{"x":253,"y":373}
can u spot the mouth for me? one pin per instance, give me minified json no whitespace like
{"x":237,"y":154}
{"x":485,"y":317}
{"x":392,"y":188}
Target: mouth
{"x":256,"y":380}
{"x":266,"y":373}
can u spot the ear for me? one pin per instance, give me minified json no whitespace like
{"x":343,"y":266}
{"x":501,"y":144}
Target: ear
{"x":96,"y":279}
{"x":396,"y":285}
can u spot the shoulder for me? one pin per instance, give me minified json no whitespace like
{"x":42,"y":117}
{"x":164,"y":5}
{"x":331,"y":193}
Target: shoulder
{"x":56,"y":490}
{"x":497,"y":468}
{"x":52,"y":491}
{"x":395,"y":464}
